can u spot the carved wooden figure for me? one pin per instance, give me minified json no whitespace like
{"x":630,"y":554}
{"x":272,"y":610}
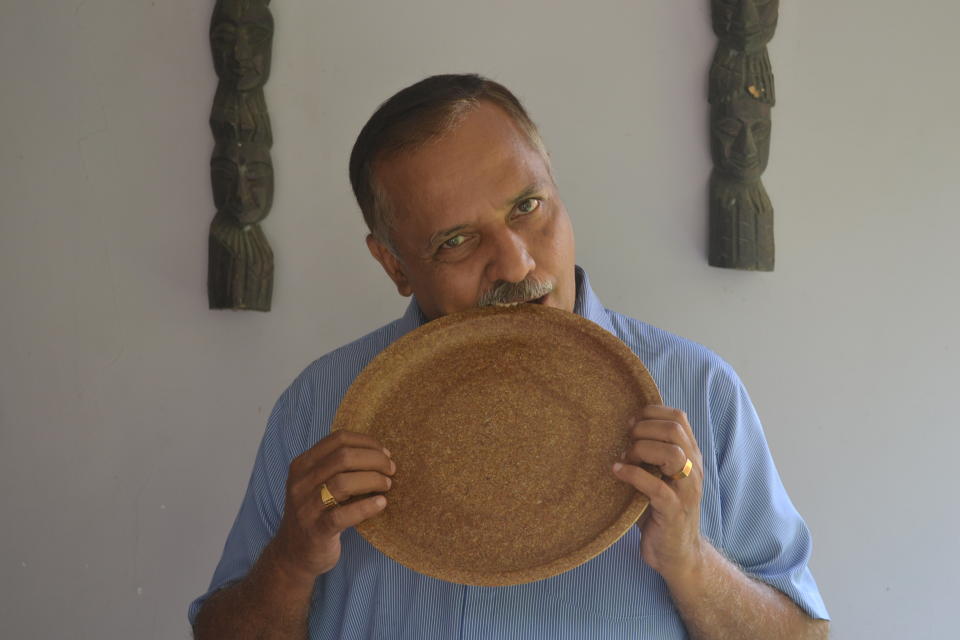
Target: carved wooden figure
{"x":240,"y":272}
{"x":741,"y":95}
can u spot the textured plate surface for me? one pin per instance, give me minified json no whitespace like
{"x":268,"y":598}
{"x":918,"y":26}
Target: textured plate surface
{"x":504,"y":424}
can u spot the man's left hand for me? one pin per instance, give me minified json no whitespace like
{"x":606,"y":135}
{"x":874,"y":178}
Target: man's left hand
{"x":661,"y":437}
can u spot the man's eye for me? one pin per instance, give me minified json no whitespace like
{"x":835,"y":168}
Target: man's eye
{"x":529,"y":205}
{"x":454,"y":242}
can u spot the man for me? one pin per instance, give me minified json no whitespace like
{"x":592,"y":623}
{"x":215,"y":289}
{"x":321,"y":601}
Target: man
{"x":456,"y":187}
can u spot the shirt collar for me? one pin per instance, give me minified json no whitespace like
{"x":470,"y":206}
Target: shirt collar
{"x":587,"y":305}
{"x":413,"y":317}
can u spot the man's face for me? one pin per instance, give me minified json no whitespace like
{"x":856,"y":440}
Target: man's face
{"x":473,"y":210}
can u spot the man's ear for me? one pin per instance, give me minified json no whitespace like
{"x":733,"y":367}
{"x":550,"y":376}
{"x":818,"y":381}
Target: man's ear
{"x":390,"y":263}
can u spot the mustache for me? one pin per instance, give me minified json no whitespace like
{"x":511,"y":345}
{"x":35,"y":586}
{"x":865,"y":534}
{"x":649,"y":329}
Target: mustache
{"x":507,"y":292}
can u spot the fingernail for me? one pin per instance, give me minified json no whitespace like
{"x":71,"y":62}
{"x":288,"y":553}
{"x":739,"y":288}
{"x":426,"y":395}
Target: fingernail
{"x":387,"y":452}
{"x":617,"y":466}
{"x":380,"y":501}
{"x":389,"y":483}
{"x":393,"y":467}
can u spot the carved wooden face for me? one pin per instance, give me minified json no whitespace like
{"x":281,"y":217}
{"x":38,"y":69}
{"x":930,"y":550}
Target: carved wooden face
{"x":242,"y":178}
{"x":747,"y":25}
{"x":241,"y":116}
{"x":740,"y":138}
{"x":241,"y":36}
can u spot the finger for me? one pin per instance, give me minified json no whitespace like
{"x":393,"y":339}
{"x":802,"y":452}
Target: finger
{"x":304,"y":483}
{"x":662,"y":497}
{"x":670,"y":414}
{"x":684,"y":472}
{"x":664,"y":423}
{"x":671,"y":425}
{"x":662,"y":412}
{"x":663,"y":430}
{"x":333,"y":521}
{"x":345,"y":458}
{"x":337,"y":440}
{"x":344,"y":486}
{"x":669,"y":458}
{"x":351,"y":459}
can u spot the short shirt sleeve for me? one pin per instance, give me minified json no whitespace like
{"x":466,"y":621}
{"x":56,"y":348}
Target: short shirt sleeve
{"x":762,"y":532}
{"x":262,"y":506}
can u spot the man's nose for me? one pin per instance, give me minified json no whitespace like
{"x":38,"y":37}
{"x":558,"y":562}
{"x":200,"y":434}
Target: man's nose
{"x":509,"y":260}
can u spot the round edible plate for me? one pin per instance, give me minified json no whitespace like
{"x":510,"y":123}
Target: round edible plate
{"x":504,"y":424}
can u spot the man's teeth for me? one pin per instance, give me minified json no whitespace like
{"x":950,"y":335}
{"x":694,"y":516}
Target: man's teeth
{"x":508,"y":304}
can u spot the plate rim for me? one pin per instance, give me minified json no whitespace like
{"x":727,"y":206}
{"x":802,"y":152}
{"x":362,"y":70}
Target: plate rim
{"x":601,"y":541}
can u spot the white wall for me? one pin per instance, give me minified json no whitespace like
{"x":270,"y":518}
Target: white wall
{"x":129,"y":413}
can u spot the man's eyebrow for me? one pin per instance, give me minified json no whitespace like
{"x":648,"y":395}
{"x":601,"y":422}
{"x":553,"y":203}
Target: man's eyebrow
{"x":439,"y":236}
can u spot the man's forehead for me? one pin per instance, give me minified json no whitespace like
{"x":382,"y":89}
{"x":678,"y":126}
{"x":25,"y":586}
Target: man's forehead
{"x":485,"y":157}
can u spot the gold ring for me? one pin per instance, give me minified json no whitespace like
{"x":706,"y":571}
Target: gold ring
{"x":329,"y":502}
{"x":685,"y":472}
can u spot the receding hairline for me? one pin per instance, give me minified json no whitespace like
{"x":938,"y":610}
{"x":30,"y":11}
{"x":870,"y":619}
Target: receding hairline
{"x":417,"y":116}
{"x":401,"y":143}
{"x":464,"y":109}
{"x":531,"y":139}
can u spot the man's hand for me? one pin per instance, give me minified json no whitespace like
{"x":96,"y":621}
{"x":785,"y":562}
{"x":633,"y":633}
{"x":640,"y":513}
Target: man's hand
{"x":715,"y":598}
{"x":273,"y":600}
{"x":661,"y":437}
{"x":350,"y":464}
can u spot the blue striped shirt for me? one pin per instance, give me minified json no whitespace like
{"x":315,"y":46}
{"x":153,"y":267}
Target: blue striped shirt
{"x":745,"y":512}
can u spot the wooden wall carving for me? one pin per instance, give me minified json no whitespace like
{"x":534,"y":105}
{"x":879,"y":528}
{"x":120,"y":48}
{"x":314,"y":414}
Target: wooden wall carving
{"x":741,"y":96}
{"x":240,"y":269}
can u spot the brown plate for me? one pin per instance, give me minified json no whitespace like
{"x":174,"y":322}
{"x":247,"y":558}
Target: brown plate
{"x":504,"y":424}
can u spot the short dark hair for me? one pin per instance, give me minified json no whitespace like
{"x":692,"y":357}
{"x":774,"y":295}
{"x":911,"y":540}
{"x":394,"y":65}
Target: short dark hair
{"x":414,"y":116}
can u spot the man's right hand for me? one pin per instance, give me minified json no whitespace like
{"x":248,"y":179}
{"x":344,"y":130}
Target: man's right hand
{"x":274,"y":598}
{"x":307,"y":543}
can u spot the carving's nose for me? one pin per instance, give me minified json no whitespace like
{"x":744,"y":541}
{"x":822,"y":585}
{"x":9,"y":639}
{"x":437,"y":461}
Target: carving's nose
{"x":744,"y":144}
{"x":747,"y":15}
{"x":241,"y":47}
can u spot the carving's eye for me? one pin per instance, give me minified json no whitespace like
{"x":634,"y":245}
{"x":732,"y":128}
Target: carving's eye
{"x":257,"y":34}
{"x":224,"y":170}
{"x":729,"y":127}
{"x":259,"y":171}
{"x":224,"y":35}
{"x":760,"y":130}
